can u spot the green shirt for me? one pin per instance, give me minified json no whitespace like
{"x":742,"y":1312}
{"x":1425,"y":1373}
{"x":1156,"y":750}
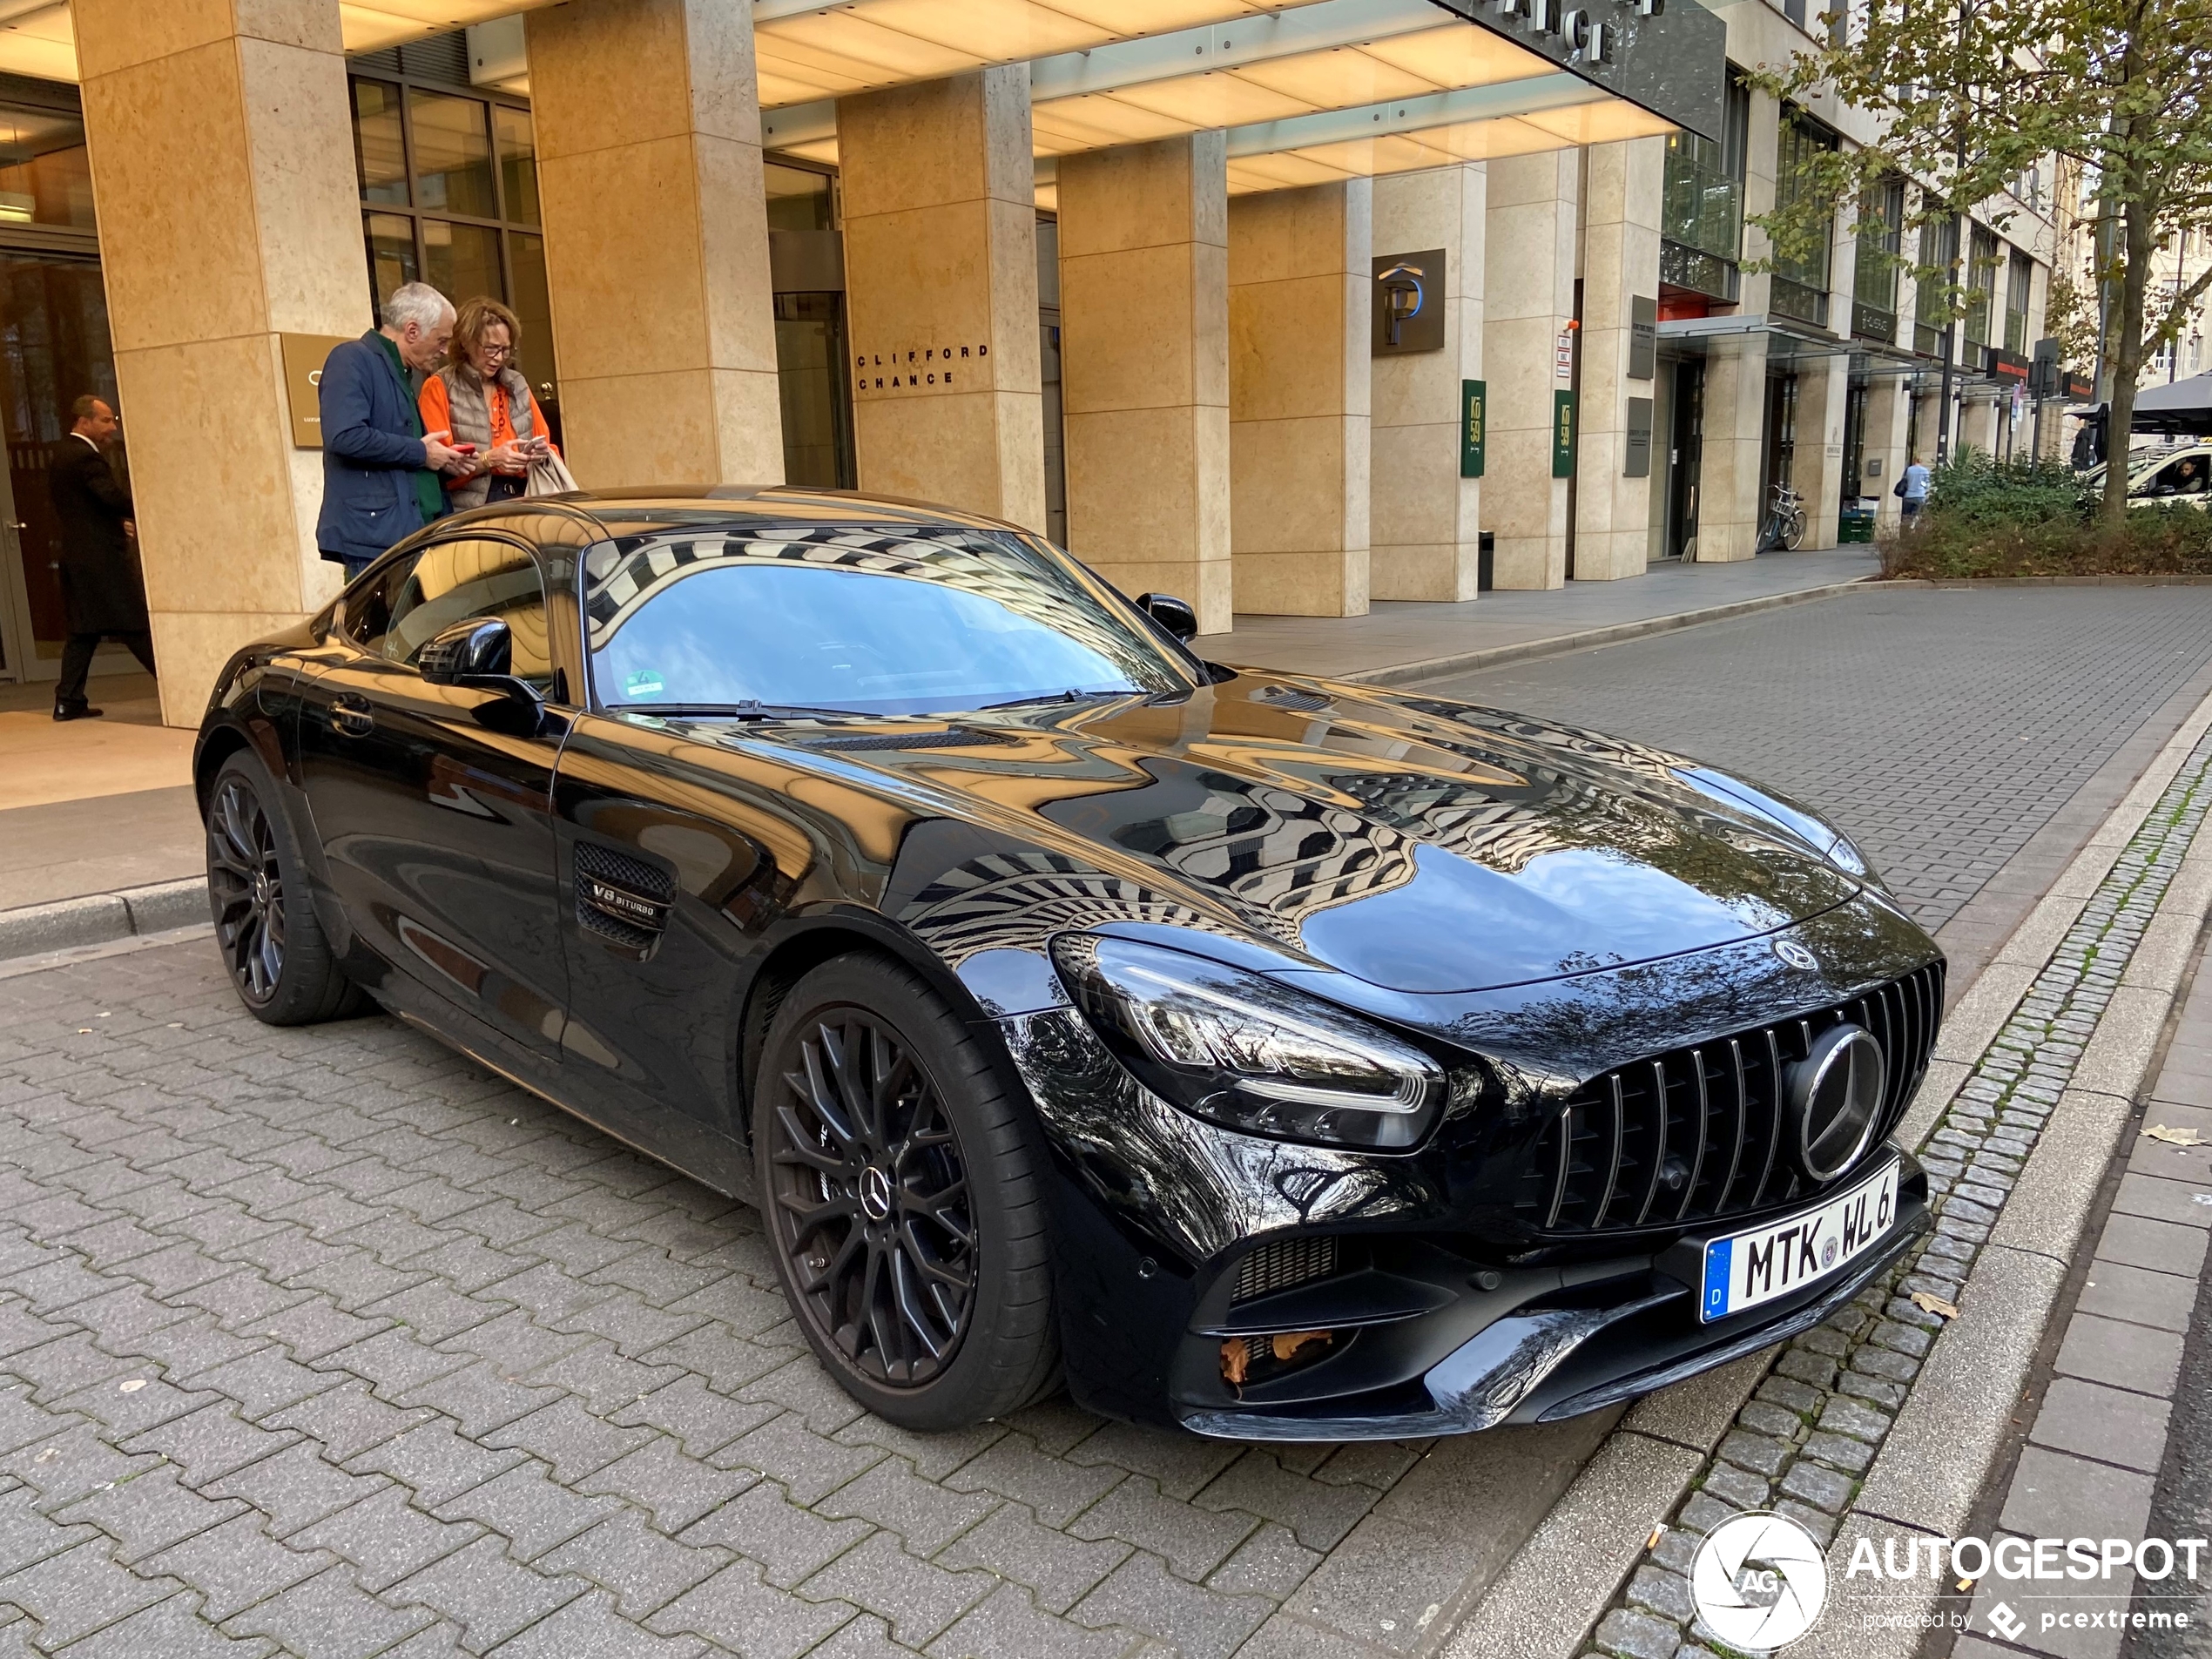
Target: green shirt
{"x":429,"y":494}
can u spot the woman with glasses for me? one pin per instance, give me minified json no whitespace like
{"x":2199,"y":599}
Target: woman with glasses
{"x":480,"y":399}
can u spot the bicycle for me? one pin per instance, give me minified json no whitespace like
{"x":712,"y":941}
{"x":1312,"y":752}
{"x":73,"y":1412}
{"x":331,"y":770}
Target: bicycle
{"x":1785,"y":524}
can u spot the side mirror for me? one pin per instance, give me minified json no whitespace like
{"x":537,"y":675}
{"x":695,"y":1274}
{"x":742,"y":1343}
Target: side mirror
{"x":468,"y":651}
{"x":1173,"y":614}
{"x":479,"y":654}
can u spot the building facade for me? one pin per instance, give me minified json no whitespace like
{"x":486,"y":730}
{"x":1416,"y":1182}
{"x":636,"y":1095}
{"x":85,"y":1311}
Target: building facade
{"x":1284,"y":309}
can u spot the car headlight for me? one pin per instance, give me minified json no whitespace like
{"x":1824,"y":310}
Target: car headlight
{"x":1247,"y":1052}
{"x":1848,"y":859}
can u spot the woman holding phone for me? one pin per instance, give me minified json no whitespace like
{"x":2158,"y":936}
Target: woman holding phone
{"x":480,"y":399}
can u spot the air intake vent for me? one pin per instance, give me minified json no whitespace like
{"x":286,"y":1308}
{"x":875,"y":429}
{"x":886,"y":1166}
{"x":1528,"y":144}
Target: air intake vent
{"x":958,"y":738}
{"x":1283,"y":1264}
{"x":621,"y":899}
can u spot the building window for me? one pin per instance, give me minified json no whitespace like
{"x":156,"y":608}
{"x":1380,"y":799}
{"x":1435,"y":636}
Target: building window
{"x":1800,"y":288}
{"x":449,"y":183}
{"x":1938,"y":249}
{"x":1701,"y":213}
{"x":2019,"y":278}
{"x":1881,"y":236}
{"x":1980,"y":280}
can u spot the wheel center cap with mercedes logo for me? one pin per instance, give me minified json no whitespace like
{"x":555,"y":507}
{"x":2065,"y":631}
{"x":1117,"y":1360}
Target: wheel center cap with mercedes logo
{"x":1835,"y":1099}
{"x":875,"y":1193}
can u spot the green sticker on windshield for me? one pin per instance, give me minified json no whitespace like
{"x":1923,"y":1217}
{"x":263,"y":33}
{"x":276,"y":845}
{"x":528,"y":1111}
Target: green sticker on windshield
{"x":644,"y":683}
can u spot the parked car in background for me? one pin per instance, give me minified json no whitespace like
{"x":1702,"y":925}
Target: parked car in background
{"x":1279,"y":1058}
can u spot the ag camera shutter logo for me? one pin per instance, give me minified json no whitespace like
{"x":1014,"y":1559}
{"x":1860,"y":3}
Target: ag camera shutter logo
{"x":1759,"y":1580}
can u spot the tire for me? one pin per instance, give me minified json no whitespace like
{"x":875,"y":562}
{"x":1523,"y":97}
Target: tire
{"x":893,"y":1158}
{"x":1793,"y":531}
{"x":280,"y":965}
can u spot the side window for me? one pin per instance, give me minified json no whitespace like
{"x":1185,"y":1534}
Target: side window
{"x":369,"y":607}
{"x":471,"y":577}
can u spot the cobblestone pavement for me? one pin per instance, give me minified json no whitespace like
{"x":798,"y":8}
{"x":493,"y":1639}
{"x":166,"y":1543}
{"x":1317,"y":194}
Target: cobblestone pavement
{"x":327,"y":1342}
{"x":1940,"y":727}
{"x":1812,"y":1427}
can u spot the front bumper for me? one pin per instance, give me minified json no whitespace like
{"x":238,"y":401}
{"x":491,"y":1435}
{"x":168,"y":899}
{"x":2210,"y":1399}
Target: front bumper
{"x":1541,"y":1365}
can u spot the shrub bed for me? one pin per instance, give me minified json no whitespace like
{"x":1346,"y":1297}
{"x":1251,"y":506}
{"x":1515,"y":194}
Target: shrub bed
{"x":2017,"y":518}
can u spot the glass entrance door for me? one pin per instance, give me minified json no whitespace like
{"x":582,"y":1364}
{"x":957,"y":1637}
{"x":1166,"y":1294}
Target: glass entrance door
{"x":54,"y":348}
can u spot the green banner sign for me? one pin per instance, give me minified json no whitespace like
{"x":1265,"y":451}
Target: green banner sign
{"x":1562,"y":435}
{"x":1473,"y":426}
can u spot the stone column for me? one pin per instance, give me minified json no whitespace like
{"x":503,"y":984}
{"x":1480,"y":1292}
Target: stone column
{"x":1624,"y":183}
{"x":223,"y":162}
{"x":1816,"y":471}
{"x":657,"y":241}
{"x":1730,"y":503}
{"x":1144,"y":367}
{"x":1299,"y":398}
{"x":941,"y":278}
{"x":1427,"y":519}
{"x":1529,"y":300}
{"x":1889,"y":409}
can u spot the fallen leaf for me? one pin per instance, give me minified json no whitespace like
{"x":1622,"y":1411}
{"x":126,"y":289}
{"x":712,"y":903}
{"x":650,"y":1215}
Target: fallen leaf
{"x":1286,"y":1346}
{"x":1934,"y":1305}
{"x":1235,"y":1361}
{"x":2177,"y":1136}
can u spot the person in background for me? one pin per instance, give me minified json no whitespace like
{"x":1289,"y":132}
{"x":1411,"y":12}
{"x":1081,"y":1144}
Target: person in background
{"x":1913,"y":486}
{"x":379,"y":463}
{"x":485,"y":401}
{"x":101,"y":588}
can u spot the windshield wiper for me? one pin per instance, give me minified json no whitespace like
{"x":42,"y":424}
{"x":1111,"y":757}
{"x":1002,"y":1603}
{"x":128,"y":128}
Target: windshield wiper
{"x":751,"y":709}
{"x":1073,"y":694}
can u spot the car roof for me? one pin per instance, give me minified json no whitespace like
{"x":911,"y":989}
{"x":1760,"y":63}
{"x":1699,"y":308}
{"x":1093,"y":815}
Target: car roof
{"x":642,"y":511}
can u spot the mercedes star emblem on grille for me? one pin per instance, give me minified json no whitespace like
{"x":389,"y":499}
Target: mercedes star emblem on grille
{"x":1835,"y":1099}
{"x":1795,"y":954}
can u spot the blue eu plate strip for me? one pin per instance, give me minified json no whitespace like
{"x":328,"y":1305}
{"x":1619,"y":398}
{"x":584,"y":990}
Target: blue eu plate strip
{"x":1719,"y":1258}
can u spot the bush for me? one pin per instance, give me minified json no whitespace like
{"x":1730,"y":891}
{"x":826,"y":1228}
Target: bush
{"x":2016,"y":518}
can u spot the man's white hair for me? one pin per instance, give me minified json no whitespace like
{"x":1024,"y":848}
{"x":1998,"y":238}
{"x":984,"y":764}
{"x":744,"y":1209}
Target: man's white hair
{"x":417,"y":303}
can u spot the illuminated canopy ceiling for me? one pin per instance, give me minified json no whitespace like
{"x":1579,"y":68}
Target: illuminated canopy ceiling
{"x":808,"y":49}
{"x":1330,"y":90}
{"x":36,"y":37}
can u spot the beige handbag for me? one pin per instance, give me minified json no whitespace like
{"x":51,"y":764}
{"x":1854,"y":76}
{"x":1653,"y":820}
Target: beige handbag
{"x":549,"y":475}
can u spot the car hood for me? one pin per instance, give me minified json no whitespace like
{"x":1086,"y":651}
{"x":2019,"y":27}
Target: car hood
{"x":1420,"y":844}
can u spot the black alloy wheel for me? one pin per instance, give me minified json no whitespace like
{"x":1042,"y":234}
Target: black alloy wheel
{"x":897,"y":1178}
{"x":273,"y":946}
{"x":245,"y":883}
{"x":872,"y":1200}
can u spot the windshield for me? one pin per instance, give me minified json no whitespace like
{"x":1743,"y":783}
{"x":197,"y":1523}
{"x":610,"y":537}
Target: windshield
{"x":912,"y":621}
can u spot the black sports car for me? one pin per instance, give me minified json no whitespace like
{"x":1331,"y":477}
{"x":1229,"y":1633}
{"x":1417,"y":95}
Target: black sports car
{"x":1281,"y":1058}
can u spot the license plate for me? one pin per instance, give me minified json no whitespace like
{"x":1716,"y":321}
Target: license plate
{"x":1748,"y":1268}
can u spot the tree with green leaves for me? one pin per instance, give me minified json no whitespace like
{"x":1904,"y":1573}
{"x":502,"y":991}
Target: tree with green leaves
{"x":1966,"y":95}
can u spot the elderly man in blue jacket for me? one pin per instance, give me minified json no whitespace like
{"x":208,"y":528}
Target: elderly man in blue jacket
{"x":379,"y":468}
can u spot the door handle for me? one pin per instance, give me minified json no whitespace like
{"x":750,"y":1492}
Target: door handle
{"x":351,"y":716}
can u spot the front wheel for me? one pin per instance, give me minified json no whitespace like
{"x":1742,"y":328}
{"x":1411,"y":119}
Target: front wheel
{"x":901,"y":1181}
{"x":280,"y":963}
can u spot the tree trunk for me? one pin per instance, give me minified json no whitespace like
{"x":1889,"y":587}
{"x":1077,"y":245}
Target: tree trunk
{"x":2137,"y":236}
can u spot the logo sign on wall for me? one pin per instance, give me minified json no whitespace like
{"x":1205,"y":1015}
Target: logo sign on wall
{"x":1562,"y":435}
{"x":1636,"y":450}
{"x":1409,"y":303}
{"x":1474,"y":416}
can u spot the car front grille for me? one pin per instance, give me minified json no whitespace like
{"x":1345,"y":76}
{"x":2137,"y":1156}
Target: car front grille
{"x":1698,"y":1134}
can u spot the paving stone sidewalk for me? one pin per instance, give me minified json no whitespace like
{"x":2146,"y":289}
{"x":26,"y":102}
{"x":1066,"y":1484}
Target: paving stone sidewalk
{"x":327,"y":1342}
{"x":1812,"y":1427}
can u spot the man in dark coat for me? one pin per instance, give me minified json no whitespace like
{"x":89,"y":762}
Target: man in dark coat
{"x":379,"y":468}
{"x":101,"y":590}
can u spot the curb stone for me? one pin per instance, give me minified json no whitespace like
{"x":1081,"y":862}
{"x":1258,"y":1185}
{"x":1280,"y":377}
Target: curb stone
{"x":1816,"y":1426}
{"x":33,"y":930}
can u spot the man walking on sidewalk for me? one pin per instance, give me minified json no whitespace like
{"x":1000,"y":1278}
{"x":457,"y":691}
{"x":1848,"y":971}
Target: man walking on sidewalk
{"x":379,"y":468}
{"x":101,"y":589}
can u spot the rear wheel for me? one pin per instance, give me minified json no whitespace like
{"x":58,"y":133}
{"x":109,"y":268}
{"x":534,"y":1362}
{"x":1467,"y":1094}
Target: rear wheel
{"x":900,"y":1183}
{"x":280,"y":963}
